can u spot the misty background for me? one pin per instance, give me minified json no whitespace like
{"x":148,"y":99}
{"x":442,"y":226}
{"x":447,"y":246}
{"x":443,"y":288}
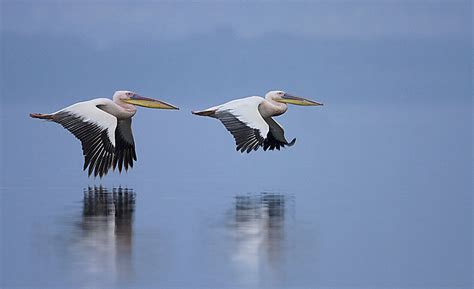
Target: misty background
{"x":386,"y":162}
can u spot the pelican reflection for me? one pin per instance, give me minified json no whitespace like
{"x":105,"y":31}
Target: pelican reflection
{"x":258,"y":228}
{"x":105,"y":235}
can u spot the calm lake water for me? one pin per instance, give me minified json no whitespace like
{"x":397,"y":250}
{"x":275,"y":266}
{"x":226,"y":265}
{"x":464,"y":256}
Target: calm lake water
{"x":376,"y":192}
{"x":369,"y":197}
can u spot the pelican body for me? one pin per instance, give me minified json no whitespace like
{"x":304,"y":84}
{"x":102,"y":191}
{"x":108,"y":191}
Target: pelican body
{"x":104,"y":127}
{"x":250,"y":120}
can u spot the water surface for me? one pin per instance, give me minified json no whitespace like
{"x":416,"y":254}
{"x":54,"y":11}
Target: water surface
{"x":376,"y":192}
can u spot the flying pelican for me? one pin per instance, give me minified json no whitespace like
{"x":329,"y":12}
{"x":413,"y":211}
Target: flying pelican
{"x":250,"y":120}
{"x":104,"y":128}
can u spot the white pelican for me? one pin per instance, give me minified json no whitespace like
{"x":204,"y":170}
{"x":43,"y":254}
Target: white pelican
{"x":104,"y":128}
{"x":250,"y":121}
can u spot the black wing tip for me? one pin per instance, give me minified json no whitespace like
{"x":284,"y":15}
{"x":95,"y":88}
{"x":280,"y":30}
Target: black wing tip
{"x":248,"y":149}
{"x":291,"y":143}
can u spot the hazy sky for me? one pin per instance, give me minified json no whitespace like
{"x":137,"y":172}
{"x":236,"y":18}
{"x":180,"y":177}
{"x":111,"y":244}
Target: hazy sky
{"x":387,"y":58}
{"x":101,"y":24}
{"x":68,"y":50}
{"x":395,"y":132}
{"x":381,"y":57}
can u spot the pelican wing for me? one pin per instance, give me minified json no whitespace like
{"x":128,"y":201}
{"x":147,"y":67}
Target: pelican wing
{"x":276,"y":136}
{"x":95,"y":129}
{"x":243,"y":120}
{"x":125,"y":146}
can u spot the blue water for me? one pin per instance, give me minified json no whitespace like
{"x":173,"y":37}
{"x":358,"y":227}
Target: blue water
{"x":367,"y":198}
{"x":376,"y":192}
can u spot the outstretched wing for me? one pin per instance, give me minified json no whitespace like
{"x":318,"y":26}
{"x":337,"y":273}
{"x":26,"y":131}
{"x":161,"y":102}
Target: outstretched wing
{"x":125,"y":146}
{"x":243,"y":120}
{"x":95,"y":129}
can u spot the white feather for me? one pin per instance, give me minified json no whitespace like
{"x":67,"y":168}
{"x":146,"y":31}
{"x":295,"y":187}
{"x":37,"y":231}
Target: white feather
{"x":89,"y":112}
{"x":246,"y":110}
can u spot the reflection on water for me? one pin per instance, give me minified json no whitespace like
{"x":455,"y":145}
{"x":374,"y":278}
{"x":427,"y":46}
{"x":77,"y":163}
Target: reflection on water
{"x":103,"y":245}
{"x":258,"y":228}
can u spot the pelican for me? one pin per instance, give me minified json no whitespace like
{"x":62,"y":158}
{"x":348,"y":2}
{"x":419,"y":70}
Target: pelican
{"x":104,"y":128}
{"x":250,"y":120}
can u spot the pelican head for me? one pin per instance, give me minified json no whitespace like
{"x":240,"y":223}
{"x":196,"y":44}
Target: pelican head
{"x":285,"y":97}
{"x":136,"y":99}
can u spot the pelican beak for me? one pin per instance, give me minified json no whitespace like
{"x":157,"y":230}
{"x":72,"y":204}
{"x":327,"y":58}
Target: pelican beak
{"x":148,"y":102}
{"x":288,"y":98}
